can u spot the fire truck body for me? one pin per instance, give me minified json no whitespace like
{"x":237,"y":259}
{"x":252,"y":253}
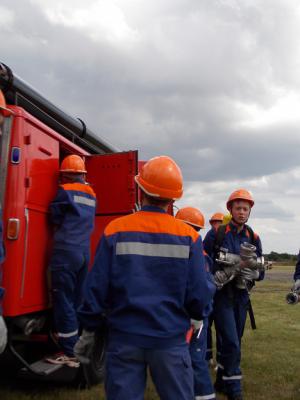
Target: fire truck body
{"x":30,"y":155}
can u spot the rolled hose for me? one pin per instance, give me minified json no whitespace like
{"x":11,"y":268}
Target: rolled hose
{"x":292,"y":298}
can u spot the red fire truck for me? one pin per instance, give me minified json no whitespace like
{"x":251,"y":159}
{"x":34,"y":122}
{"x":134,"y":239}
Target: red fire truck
{"x":34,"y":140}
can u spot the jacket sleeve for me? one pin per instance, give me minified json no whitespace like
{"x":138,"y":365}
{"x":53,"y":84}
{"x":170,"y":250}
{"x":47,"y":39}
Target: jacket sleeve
{"x":200,"y":289}
{"x":209,"y":242}
{"x":297,"y":268}
{"x":59,"y":206}
{"x":94,"y":306}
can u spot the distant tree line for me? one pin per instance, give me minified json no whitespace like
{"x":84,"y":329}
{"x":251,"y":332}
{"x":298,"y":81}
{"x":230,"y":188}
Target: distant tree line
{"x":282,"y":257}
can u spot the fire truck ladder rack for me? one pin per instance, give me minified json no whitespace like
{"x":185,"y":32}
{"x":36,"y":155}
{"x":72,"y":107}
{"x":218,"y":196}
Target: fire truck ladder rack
{"x":19,"y":93}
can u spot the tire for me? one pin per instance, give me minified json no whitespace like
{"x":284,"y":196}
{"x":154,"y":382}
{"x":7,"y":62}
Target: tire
{"x":94,"y":371}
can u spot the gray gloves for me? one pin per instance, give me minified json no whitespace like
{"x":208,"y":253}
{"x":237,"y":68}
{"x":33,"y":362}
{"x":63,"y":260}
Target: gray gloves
{"x":249,"y":274}
{"x":296,"y":287}
{"x":84,"y":347}
{"x":3,"y":335}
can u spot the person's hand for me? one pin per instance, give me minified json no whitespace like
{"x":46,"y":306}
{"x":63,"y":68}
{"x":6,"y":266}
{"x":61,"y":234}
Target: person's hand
{"x":3,"y":335}
{"x":249,"y":274}
{"x":84,"y":347}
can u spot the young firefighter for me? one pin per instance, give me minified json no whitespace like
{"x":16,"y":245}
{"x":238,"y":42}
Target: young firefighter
{"x":148,"y":280}
{"x":72,"y":214}
{"x":202,"y":381}
{"x":231,"y":302}
{"x":4,"y":111}
{"x":296,"y":286}
{"x":215,"y":221}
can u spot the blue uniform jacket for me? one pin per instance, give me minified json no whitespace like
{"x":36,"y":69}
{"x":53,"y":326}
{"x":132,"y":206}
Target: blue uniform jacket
{"x":73,"y":213}
{"x":148,"y":279}
{"x":297,"y":269}
{"x":232,"y":241}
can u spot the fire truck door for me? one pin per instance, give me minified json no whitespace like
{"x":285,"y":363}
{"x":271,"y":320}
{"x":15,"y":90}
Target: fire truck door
{"x":112,"y":178}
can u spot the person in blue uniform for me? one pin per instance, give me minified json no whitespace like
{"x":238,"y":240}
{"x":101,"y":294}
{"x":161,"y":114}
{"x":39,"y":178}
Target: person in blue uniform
{"x":231,"y":302}
{"x":296,"y":286}
{"x":215,"y":221}
{"x":203,"y":386}
{"x":148,"y":280}
{"x":72,"y":214}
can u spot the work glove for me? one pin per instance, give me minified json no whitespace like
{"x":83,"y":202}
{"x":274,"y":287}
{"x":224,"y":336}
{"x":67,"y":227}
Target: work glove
{"x":296,"y":287}
{"x":84,"y":347}
{"x":221,"y":277}
{"x":249,"y":274}
{"x":3,"y":335}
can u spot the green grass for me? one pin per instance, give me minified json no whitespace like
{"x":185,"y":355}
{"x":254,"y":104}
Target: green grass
{"x":270,"y":361}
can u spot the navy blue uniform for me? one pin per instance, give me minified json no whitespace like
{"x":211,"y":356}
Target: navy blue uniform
{"x":203,"y":387}
{"x":72,"y":213}
{"x":148,"y":279}
{"x":297,"y":269}
{"x":230,"y":311}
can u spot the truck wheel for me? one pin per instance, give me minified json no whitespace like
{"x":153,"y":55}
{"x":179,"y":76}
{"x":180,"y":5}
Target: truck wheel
{"x":94,"y":372}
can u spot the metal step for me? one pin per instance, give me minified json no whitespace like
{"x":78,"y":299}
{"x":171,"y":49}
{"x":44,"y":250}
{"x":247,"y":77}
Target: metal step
{"x":42,"y":367}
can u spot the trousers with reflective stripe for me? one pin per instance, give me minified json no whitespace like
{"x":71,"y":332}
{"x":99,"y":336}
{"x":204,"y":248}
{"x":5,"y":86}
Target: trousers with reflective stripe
{"x":202,"y":381}
{"x":230,"y":314}
{"x":68,"y":270}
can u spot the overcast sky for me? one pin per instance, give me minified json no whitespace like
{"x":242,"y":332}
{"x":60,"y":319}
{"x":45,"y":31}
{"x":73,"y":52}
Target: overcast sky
{"x":215,"y":84}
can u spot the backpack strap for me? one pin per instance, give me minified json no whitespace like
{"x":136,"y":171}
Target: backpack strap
{"x":220,"y":234}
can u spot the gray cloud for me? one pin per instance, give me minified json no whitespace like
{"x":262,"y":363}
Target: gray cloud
{"x":177,"y":89}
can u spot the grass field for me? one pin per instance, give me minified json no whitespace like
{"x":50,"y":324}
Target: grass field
{"x":271,"y":354}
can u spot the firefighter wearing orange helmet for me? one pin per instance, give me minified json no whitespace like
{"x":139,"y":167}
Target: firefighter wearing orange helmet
{"x":215,"y":221}
{"x":231,"y":302}
{"x":147,"y":281}
{"x":198,"y":342}
{"x":72,"y":214}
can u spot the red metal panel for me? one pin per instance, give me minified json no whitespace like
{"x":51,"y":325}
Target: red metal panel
{"x":112,"y":178}
{"x":31,"y":185}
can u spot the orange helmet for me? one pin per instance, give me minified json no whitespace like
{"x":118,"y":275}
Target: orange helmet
{"x":217,"y":217}
{"x":192,"y":216}
{"x":73,"y":164}
{"x":240,"y":194}
{"x":161,"y":177}
{"x":3,"y":109}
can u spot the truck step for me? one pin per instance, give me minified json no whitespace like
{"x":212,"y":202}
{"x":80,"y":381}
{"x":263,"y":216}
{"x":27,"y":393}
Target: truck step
{"x":42,"y":367}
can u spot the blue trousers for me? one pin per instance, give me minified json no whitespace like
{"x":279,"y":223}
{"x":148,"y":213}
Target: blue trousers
{"x":202,"y":381}
{"x":126,"y":372}
{"x":230,"y":313}
{"x":209,"y":350}
{"x":68,"y":271}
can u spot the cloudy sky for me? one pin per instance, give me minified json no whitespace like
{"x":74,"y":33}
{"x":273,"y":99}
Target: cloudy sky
{"x":215,"y":84}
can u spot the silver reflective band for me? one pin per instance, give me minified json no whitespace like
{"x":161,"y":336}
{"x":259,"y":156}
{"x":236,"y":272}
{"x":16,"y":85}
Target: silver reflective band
{"x":85,"y":200}
{"x":233,"y":377}
{"x":206,"y":397}
{"x":67,"y":335}
{"x":153,"y":250}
